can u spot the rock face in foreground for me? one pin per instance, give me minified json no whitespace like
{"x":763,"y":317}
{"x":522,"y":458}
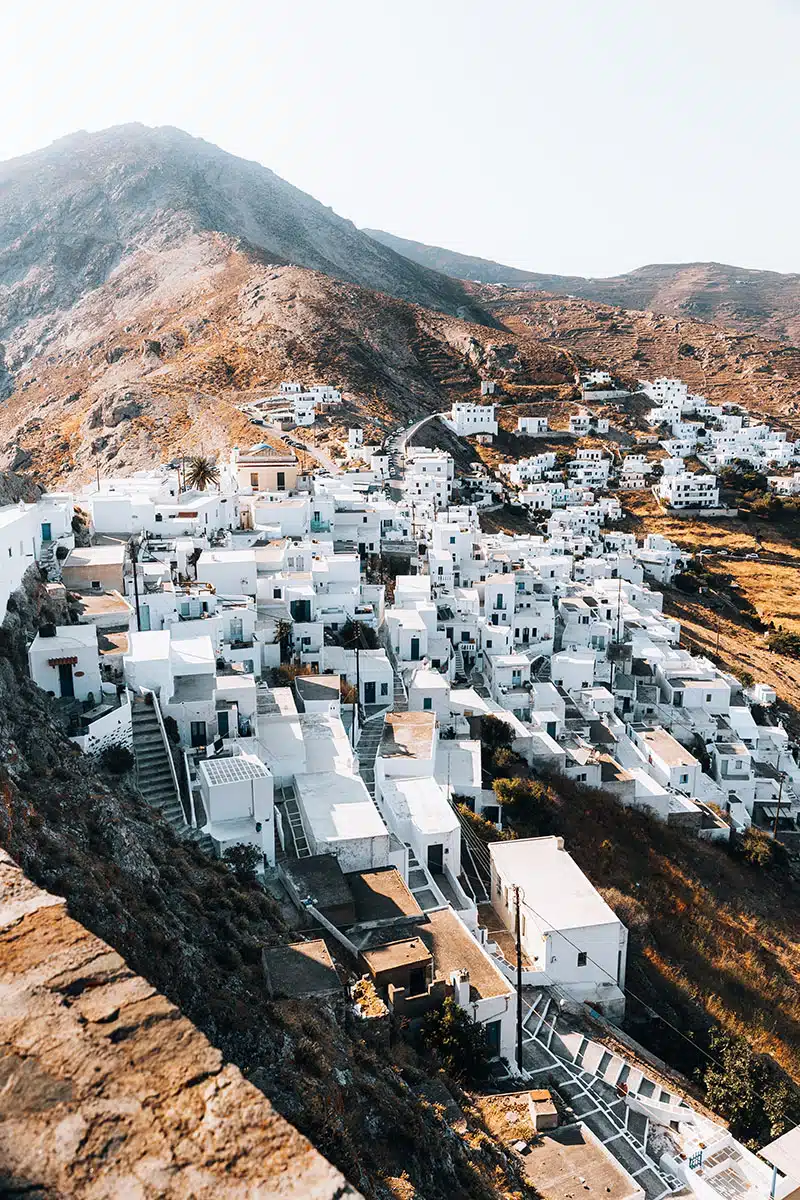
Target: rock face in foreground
{"x":106,"y":1090}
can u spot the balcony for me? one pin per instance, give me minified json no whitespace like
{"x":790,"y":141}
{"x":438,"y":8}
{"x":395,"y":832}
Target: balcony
{"x":320,"y":526}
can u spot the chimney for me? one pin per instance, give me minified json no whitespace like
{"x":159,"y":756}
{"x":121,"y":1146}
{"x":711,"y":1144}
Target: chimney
{"x":460,"y":982}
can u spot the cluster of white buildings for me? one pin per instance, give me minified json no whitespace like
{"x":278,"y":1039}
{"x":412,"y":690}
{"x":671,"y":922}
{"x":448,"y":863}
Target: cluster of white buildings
{"x":302,"y":663}
{"x":718,"y":436}
{"x":294,"y":403}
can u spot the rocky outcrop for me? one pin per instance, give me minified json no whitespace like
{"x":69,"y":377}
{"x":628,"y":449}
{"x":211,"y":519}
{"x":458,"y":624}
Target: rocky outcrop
{"x":105,"y":1088}
{"x":6,"y":378}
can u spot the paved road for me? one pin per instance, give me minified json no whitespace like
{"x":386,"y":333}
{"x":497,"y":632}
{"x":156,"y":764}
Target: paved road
{"x":396,"y":444}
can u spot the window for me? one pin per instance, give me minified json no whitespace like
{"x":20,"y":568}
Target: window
{"x":254,"y":479}
{"x":684,"y":779}
{"x":708,"y":697}
{"x":384,"y":689}
{"x":159,"y":517}
{"x":452,"y":541}
{"x":581,"y":958}
{"x":96,"y":584}
{"x":427,"y":704}
{"x":281,"y":481}
{"x":276,"y":593}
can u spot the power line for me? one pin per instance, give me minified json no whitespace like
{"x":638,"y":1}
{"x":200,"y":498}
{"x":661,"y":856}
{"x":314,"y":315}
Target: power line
{"x":484,"y":857}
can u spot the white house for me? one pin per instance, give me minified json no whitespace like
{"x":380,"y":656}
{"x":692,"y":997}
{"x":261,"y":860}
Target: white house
{"x":687,"y":490}
{"x":532,"y":426}
{"x":467,"y":419}
{"x":429,"y":691}
{"x":304,"y":410}
{"x":237,"y":795}
{"x":64,"y":660}
{"x":340,"y":818}
{"x":568,"y":931}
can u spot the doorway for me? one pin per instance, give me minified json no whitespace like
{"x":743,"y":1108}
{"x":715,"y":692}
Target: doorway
{"x":436,"y":858}
{"x":414,"y":649}
{"x":369,"y":692}
{"x":47,"y":531}
{"x":65,"y":681}
{"x":198,"y":734}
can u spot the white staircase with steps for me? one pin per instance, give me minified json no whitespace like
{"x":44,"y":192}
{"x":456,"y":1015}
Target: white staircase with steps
{"x":367,"y":750}
{"x":589,"y":1077}
{"x":48,"y":561}
{"x":154,"y":777}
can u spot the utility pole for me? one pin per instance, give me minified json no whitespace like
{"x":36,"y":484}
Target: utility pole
{"x":517,"y":925}
{"x":134,"y":553}
{"x":358,"y":676}
{"x":716,"y":651}
{"x":781,"y":777}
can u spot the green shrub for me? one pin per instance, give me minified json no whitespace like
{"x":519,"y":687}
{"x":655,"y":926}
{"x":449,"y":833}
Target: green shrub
{"x":243,"y":859}
{"x":117,"y":759}
{"x":457,"y":1041}
{"x":783,"y":642}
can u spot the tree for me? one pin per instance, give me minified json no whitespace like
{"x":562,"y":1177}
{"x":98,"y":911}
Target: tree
{"x":458,"y":1041}
{"x":522,"y":800}
{"x":243,"y":860}
{"x":745,"y":1089}
{"x":495,"y":734}
{"x":200,"y":471}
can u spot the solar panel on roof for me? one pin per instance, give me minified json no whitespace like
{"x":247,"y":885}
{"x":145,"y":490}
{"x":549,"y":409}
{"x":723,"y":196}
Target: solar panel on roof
{"x":232,"y":770}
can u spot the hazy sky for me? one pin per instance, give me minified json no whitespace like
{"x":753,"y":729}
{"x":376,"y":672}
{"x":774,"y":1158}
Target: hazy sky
{"x":574,"y":136}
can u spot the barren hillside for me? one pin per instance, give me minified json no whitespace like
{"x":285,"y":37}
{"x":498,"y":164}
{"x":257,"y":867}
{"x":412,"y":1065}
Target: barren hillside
{"x":720,"y":363}
{"x":762,"y":302}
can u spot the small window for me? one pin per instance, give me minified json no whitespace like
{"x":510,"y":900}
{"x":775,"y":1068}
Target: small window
{"x":97,"y":585}
{"x":708,"y":697}
{"x":254,"y":479}
{"x":159,"y":516}
{"x":384,"y":689}
{"x":427,"y":703}
{"x":581,"y":958}
{"x":276,"y":593}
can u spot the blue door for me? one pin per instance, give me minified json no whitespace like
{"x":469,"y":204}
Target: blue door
{"x":47,"y":531}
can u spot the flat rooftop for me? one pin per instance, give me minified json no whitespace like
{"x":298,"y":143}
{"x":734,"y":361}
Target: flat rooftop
{"x":317,"y":687}
{"x":666,"y":747}
{"x":454,"y":949}
{"x":408,"y":735}
{"x":554,"y":886}
{"x":409,"y":952}
{"x":95,"y":556}
{"x":338,"y":807}
{"x":301,"y":970}
{"x":232,"y":769}
{"x":381,"y":895}
{"x":104,"y":604}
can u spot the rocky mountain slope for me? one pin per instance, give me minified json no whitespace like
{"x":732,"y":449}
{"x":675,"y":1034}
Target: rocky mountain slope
{"x":74,"y":215}
{"x":156,"y":359}
{"x":721,"y":363}
{"x":761,"y":302}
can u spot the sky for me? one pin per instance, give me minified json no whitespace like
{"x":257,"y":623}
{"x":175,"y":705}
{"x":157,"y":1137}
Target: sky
{"x":575,"y":137}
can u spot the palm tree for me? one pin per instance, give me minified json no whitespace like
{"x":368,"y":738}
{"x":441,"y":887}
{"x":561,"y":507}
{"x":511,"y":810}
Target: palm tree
{"x":200,"y":472}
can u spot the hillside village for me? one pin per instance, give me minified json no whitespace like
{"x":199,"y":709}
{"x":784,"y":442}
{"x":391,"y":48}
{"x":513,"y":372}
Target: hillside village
{"x":311,"y":671}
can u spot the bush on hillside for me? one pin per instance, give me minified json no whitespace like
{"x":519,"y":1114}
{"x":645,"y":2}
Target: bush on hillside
{"x":117,"y":759}
{"x":783,"y":642}
{"x":243,"y":860}
{"x":457,"y":1041}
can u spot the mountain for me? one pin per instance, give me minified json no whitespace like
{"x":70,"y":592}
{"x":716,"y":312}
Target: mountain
{"x":72,"y":215}
{"x":762,"y":302}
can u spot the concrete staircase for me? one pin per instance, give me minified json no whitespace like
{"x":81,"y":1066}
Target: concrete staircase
{"x":289,"y":809}
{"x":399,"y":695}
{"x":367,"y":751}
{"x":49,"y":563}
{"x":153,"y":774}
{"x":587,"y":1075}
{"x":420,"y":884}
